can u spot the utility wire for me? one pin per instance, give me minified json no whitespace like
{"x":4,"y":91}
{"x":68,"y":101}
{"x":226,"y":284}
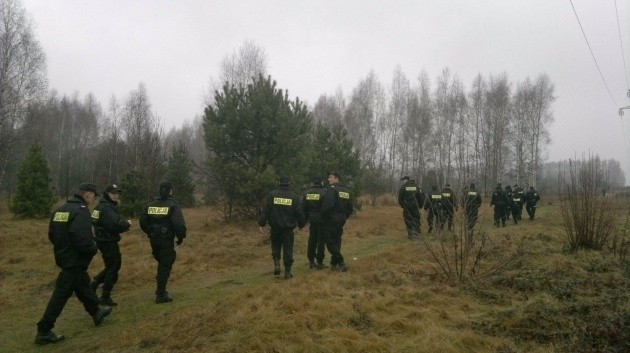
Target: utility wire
{"x":621,"y":43}
{"x":593,"y":55}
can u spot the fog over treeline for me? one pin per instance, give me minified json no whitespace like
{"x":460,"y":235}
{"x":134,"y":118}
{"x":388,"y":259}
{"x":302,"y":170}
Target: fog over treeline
{"x":437,"y":130}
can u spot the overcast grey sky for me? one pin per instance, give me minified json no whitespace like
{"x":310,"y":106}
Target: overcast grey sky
{"x":315,"y":47}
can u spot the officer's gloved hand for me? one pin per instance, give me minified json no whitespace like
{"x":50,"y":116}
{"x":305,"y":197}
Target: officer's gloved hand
{"x":179,"y":241}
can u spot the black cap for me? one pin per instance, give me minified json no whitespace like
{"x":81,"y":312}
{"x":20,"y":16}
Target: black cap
{"x":405,"y":178}
{"x":447,"y":185}
{"x":283,"y":180}
{"x":113,"y":188}
{"x":499,"y":185}
{"x":166,"y":186}
{"x":88,"y":187}
{"x":336,"y":174}
{"x":472,"y":185}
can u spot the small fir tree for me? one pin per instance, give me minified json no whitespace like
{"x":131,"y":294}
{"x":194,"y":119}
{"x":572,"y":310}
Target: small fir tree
{"x":34,"y":196}
{"x":178,"y":171}
{"x":135,"y":193}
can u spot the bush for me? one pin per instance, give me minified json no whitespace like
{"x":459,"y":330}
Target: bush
{"x":589,"y":218}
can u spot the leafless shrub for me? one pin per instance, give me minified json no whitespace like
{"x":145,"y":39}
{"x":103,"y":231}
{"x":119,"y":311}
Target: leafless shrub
{"x":460,"y":254}
{"x":588,"y":216}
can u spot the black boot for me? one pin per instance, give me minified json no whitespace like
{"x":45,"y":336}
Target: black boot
{"x":341,"y":267}
{"x":287,"y":272}
{"x":101,"y":314}
{"x":106,"y":299}
{"x":276,"y":267}
{"x":321,"y":265}
{"x":47,"y":337}
{"x":94,"y":285}
{"x":163,"y":297}
{"x":312,"y":265}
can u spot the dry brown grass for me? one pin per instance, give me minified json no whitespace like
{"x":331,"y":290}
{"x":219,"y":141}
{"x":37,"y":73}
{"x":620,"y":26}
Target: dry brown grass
{"x":391,"y":300}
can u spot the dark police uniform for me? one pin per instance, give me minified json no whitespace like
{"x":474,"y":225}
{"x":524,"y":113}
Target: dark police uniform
{"x":411,"y":199}
{"x":500,"y":203}
{"x":70,"y":232}
{"x":434,"y":205}
{"x":163,"y":221}
{"x":518,"y":199}
{"x":531,"y":199}
{"x":108,"y":224}
{"x":283,"y":211}
{"x":471,"y":202}
{"x":311,"y":206}
{"x":336,"y":208}
{"x":449,"y":203}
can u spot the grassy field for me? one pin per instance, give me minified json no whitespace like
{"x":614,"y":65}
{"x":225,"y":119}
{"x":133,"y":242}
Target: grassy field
{"x":391,"y":299}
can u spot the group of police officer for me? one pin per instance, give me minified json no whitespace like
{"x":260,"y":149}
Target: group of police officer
{"x":75,"y":244}
{"x":324,"y":208}
{"x":441,"y":205}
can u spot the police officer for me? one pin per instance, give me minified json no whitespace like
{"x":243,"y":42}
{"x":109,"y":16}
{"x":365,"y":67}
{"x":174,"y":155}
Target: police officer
{"x":450,"y":206}
{"x":311,"y":206}
{"x":108,"y":224}
{"x":434,"y":205}
{"x":162,"y":221}
{"x":518,"y":198}
{"x":499,"y":201}
{"x":283,"y":211}
{"x":508,"y":206}
{"x":471,"y":202}
{"x":531,"y":199}
{"x":70,"y":231}
{"x":336,"y":208}
{"x":411,"y":198}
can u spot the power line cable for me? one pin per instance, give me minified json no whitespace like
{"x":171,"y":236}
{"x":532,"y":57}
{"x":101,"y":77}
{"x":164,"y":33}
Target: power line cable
{"x":621,"y":44}
{"x":593,"y":55}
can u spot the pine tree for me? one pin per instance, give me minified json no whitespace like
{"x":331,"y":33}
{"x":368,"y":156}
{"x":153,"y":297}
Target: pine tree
{"x":178,"y":171}
{"x":135,"y":193}
{"x":34,"y":196}
{"x":331,"y":149}
{"x":254,"y":134}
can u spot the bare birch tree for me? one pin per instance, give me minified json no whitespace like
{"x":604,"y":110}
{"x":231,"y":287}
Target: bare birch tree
{"x":22,"y":73}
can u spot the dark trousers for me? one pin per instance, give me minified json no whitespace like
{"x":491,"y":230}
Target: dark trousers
{"x":449,"y":214}
{"x":472,"y":215}
{"x":315,"y":248}
{"x":331,"y":234}
{"x":113,"y":260}
{"x":435,"y":218}
{"x":282,"y":240}
{"x":499,"y":214}
{"x":163,"y":250}
{"x":517,"y":210}
{"x":531,"y":210}
{"x":73,"y":280}
{"x":411,"y":216}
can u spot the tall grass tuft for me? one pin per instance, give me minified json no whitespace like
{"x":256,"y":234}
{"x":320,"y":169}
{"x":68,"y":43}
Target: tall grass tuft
{"x":589,"y":217}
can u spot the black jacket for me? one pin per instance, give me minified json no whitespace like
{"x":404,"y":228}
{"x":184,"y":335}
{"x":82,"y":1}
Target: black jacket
{"x":312,"y":203}
{"x":499,"y":198}
{"x":163,"y":218}
{"x":532,"y":197}
{"x":435,"y":201}
{"x":282,"y":209}
{"x":448,"y":199}
{"x":410,"y":196}
{"x":107,"y":222}
{"x":472,"y":199}
{"x":337,"y":206}
{"x":70,"y":231}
